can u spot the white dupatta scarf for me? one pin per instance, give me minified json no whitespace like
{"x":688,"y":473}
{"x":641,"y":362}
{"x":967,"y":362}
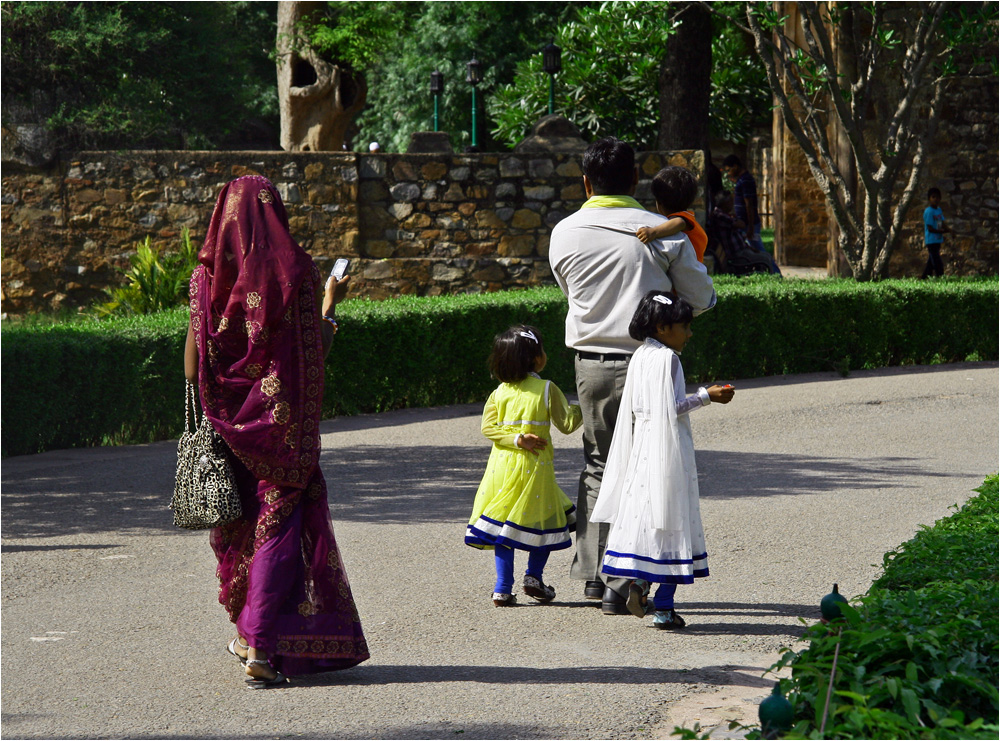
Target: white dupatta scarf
{"x":649,"y":391}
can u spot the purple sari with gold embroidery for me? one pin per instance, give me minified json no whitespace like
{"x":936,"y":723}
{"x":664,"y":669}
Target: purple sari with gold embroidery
{"x":260,"y":374}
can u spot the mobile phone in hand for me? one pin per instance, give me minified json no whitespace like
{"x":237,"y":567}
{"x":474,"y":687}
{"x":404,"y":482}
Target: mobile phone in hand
{"x":339,"y":268}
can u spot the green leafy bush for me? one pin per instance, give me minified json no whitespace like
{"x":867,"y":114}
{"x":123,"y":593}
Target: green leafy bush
{"x":411,"y":351}
{"x":918,"y":655}
{"x":154,"y":282}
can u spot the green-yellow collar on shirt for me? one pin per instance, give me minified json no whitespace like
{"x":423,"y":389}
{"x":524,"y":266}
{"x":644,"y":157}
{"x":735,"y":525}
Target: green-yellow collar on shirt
{"x":612,"y":202}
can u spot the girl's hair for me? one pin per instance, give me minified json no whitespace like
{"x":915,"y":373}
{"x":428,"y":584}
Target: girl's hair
{"x":674,"y":188}
{"x":514,"y":353}
{"x":655,"y":309}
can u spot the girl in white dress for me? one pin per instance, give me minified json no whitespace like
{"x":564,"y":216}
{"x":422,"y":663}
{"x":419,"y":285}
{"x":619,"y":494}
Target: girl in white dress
{"x":649,"y":493}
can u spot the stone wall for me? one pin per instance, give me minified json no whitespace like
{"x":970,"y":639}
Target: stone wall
{"x":963,"y":164}
{"x":424,"y":224}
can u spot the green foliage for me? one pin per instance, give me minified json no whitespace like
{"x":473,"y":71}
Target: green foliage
{"x":443,"y":36}
{"x":740,"y":97}
{"x":114,"y":74}
{"x":116,"y":381}
{"x":609,"y":79}
{"x":965,"y":543}
{"x":841,"y":325}
{"x":154,"y":282}
{"x":438,"y":349}
{"x":357,"y":34}
{"x":918,"y":655}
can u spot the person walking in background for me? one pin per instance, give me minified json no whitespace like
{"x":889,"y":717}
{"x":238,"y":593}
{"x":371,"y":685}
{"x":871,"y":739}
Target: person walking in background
{"x":649,"y":494}
{"x":934,"y":231}
{"x":744,"y":199}
{"x":604,"y":270}
{"x":519,"y":505}
{"x":674,"y":189}
{"x":261,"y":327}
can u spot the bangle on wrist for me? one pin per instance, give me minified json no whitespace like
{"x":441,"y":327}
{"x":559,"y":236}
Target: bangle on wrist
{"x":330,"y":319}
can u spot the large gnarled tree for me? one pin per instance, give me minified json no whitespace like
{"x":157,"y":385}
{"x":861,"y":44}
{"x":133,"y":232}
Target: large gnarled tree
{"x":860,"y":86}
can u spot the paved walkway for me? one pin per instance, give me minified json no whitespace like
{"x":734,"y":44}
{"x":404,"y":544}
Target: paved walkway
{"x":111,"y":626}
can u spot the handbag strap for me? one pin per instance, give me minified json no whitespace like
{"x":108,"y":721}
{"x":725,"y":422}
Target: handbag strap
{"x":190,"y":407}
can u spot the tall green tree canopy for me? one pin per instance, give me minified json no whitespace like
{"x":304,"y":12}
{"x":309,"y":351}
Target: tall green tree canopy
{"x":415,"y":39}
{"x":609,"y":83}
{"x":140,"y":74}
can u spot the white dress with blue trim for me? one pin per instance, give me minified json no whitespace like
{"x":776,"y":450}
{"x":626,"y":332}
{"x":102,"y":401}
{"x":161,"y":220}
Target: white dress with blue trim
{"x":519,"y":504}
{"x":649,"y":492}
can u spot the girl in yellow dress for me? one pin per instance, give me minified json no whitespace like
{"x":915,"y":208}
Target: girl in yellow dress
{"x":519,"y":505}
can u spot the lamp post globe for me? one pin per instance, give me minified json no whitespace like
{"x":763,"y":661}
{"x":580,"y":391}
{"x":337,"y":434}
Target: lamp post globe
{"x":552,"y":63}
{"x":473,"y":76}
{"x":437,"y":87}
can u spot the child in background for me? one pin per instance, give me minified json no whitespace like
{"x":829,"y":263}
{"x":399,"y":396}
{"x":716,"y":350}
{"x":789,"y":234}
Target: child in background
{"x":649,"y":493}
{"x":934,"y":231}
{"x":519,"y":505}
{"x":674,"y":189}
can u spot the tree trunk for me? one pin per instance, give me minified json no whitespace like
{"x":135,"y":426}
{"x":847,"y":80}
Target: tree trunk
{"x":317,"y":100}
{"x":686,"y":82}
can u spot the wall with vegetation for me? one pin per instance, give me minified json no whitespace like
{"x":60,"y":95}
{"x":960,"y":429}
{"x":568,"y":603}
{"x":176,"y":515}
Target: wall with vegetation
{"x":424,"y":224}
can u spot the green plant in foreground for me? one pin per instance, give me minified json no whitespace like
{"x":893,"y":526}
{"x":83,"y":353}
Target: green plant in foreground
{"x":153,"y":282}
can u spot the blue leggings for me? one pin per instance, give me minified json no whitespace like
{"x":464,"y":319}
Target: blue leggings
{"x":505,"y":567}
{"x":663,"y":598}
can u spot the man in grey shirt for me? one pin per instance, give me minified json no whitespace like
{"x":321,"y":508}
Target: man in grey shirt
{"x":605,"y":270}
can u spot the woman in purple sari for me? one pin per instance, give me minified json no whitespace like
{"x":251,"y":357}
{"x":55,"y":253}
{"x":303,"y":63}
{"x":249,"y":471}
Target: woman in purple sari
{"x":256,"y":346}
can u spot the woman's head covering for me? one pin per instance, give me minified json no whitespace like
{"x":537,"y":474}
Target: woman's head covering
{"x":254,"y":314}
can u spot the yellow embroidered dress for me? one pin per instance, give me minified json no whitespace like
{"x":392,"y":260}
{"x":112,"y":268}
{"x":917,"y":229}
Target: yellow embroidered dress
{"x":519,"y":504}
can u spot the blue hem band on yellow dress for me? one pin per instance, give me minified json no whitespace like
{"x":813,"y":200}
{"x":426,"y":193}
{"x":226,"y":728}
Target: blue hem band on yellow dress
{"x":487,"y":533}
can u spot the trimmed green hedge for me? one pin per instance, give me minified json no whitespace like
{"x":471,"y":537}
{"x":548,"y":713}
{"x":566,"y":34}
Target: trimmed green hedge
{"x":121,"y":381}
{"x":918,"y":655}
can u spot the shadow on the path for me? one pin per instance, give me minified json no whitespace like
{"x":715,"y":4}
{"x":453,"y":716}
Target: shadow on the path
{"x":68,"y":492}
{"x":639,"y":675}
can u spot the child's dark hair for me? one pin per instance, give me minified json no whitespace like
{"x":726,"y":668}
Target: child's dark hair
{"x":674,"y":189}
{"x":658,"y":308}
{"x":934,"y":192}
{"x":514,"y":353}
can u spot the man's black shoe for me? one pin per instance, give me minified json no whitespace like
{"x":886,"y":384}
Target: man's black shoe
{"x":593,"y":590}
{"x":613,"y":603}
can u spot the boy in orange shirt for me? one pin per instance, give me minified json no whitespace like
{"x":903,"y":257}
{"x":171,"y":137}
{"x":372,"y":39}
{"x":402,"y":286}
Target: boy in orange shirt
{"x":674,"y":189}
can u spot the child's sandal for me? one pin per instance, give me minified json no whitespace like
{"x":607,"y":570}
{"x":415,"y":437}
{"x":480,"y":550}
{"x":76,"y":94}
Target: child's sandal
{"x":668,"y":620}
{"x":534,"y":588}
{"x":501,"y":599}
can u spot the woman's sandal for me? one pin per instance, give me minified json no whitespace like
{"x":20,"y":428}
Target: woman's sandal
{"x":231,"y":648}
{"x":638,"y":596}
{"x":260,"y":683}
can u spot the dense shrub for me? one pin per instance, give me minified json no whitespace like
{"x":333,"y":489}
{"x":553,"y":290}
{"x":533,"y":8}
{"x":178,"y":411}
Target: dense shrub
{"x":58,"y":380}
{"x":918,"y":655}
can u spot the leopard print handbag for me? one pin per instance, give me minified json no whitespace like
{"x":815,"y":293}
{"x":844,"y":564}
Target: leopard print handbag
{"x":205,"y":494}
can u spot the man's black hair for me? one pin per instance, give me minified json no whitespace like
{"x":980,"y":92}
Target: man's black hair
{"x":609,"y":165}
{"x":732,"y":160}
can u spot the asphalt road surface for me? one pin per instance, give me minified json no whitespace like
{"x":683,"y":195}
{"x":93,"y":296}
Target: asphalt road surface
{"x":111,"y":625}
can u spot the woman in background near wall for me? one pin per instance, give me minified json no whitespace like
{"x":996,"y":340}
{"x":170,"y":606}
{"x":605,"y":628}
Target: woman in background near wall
{"x":261,"y":326}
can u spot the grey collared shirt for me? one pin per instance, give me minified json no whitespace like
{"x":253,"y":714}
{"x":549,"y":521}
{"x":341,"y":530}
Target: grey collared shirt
{"x":605,"y":270}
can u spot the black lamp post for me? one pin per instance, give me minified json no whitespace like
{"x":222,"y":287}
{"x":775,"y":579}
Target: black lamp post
{"x":437,"y":87}
{"x":552,"y":63}
{"x":474,"y":76}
